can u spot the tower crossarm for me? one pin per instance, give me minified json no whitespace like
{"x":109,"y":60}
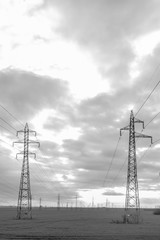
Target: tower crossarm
{"x":29,"y":142}
{"x":22,"y":153}
{"x":122,"y":129}
{"x":20,"y":131}
{"x":30,"y":131}
{"x":140,"y":135}
{"x":17,"y":142}
{"x":139,"y":121}
{"x":34,"y":142}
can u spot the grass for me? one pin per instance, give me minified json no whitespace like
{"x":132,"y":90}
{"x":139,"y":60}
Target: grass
{"x":69,"y":224}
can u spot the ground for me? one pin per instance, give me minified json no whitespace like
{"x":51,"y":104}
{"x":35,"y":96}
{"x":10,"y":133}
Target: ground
{"x":84,"y":223}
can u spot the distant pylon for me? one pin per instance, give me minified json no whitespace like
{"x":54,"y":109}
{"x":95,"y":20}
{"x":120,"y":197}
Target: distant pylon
{"x":58,"y":201}
{"x":40,"y":203}
{"x":92,"y":202}
{"x":24,"y":207}
{"x":106,"y":202}
{"x":132,"y":203}
{"x":76,"y":201}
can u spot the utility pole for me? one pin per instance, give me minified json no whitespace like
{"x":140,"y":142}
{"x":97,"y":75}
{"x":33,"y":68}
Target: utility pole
{"x":132,"y":203}
{"x":24,"y":207}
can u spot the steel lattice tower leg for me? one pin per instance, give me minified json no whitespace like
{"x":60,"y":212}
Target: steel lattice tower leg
{"x":24,"y":206}
{"x":132,"y":203}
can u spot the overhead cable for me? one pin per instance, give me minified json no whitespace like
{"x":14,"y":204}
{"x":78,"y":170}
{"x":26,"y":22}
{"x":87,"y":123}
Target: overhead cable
{"x":12,"y":115}
{"x":147,"y":98}
{"x":112,"y":159}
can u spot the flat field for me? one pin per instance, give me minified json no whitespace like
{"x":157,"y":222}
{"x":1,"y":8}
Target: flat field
{"x":84,"y":223}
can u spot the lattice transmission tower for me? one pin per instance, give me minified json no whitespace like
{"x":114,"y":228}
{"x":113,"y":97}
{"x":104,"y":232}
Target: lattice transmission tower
{"x":24,"y":206}
{"x":132,"y":203}
{"x":59,"y":202}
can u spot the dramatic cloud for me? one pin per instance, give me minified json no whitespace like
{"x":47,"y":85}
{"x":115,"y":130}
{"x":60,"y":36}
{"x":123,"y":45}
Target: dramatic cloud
{"x":28,"y":93}
{"x":73,"y":70}
{"x":112,"y":193}
{"x":107,"y":29}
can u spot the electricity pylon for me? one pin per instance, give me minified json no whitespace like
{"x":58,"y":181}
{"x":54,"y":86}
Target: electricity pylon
{"x":92,"y":202}
{"x":40,"y":205}
{"x":58,"y":202}
{"x":132,"y":203}
{"x":24,"y":206}
{"x":76,"y":201}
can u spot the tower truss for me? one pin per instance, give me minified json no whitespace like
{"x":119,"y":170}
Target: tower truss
{"x":24,"y":206}
{"x":132,"y":202}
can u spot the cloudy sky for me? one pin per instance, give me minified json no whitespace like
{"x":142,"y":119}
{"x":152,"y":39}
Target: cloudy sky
{"x":73,"y":70}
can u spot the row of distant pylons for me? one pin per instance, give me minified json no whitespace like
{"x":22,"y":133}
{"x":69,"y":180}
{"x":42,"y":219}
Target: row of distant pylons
{"x":132,"y":203}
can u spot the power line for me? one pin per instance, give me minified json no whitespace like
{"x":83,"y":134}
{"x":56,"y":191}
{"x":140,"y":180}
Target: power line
{"x":152,"y":119}
{"x":148,"y":82}
{"x":48,"y":177}
{"x":12,"y":115}
{"x":156,"y":141}
{"x":9,"y":144}
{"x":120,"y":169}
{"x":149,"y":147}
{"x":140,"y":159}
{"x":122,"y":166}
{"x":8,"y":124}
{"x":112,"y":159}
{"x":7,"y":129}
{"x":148,"y":97}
